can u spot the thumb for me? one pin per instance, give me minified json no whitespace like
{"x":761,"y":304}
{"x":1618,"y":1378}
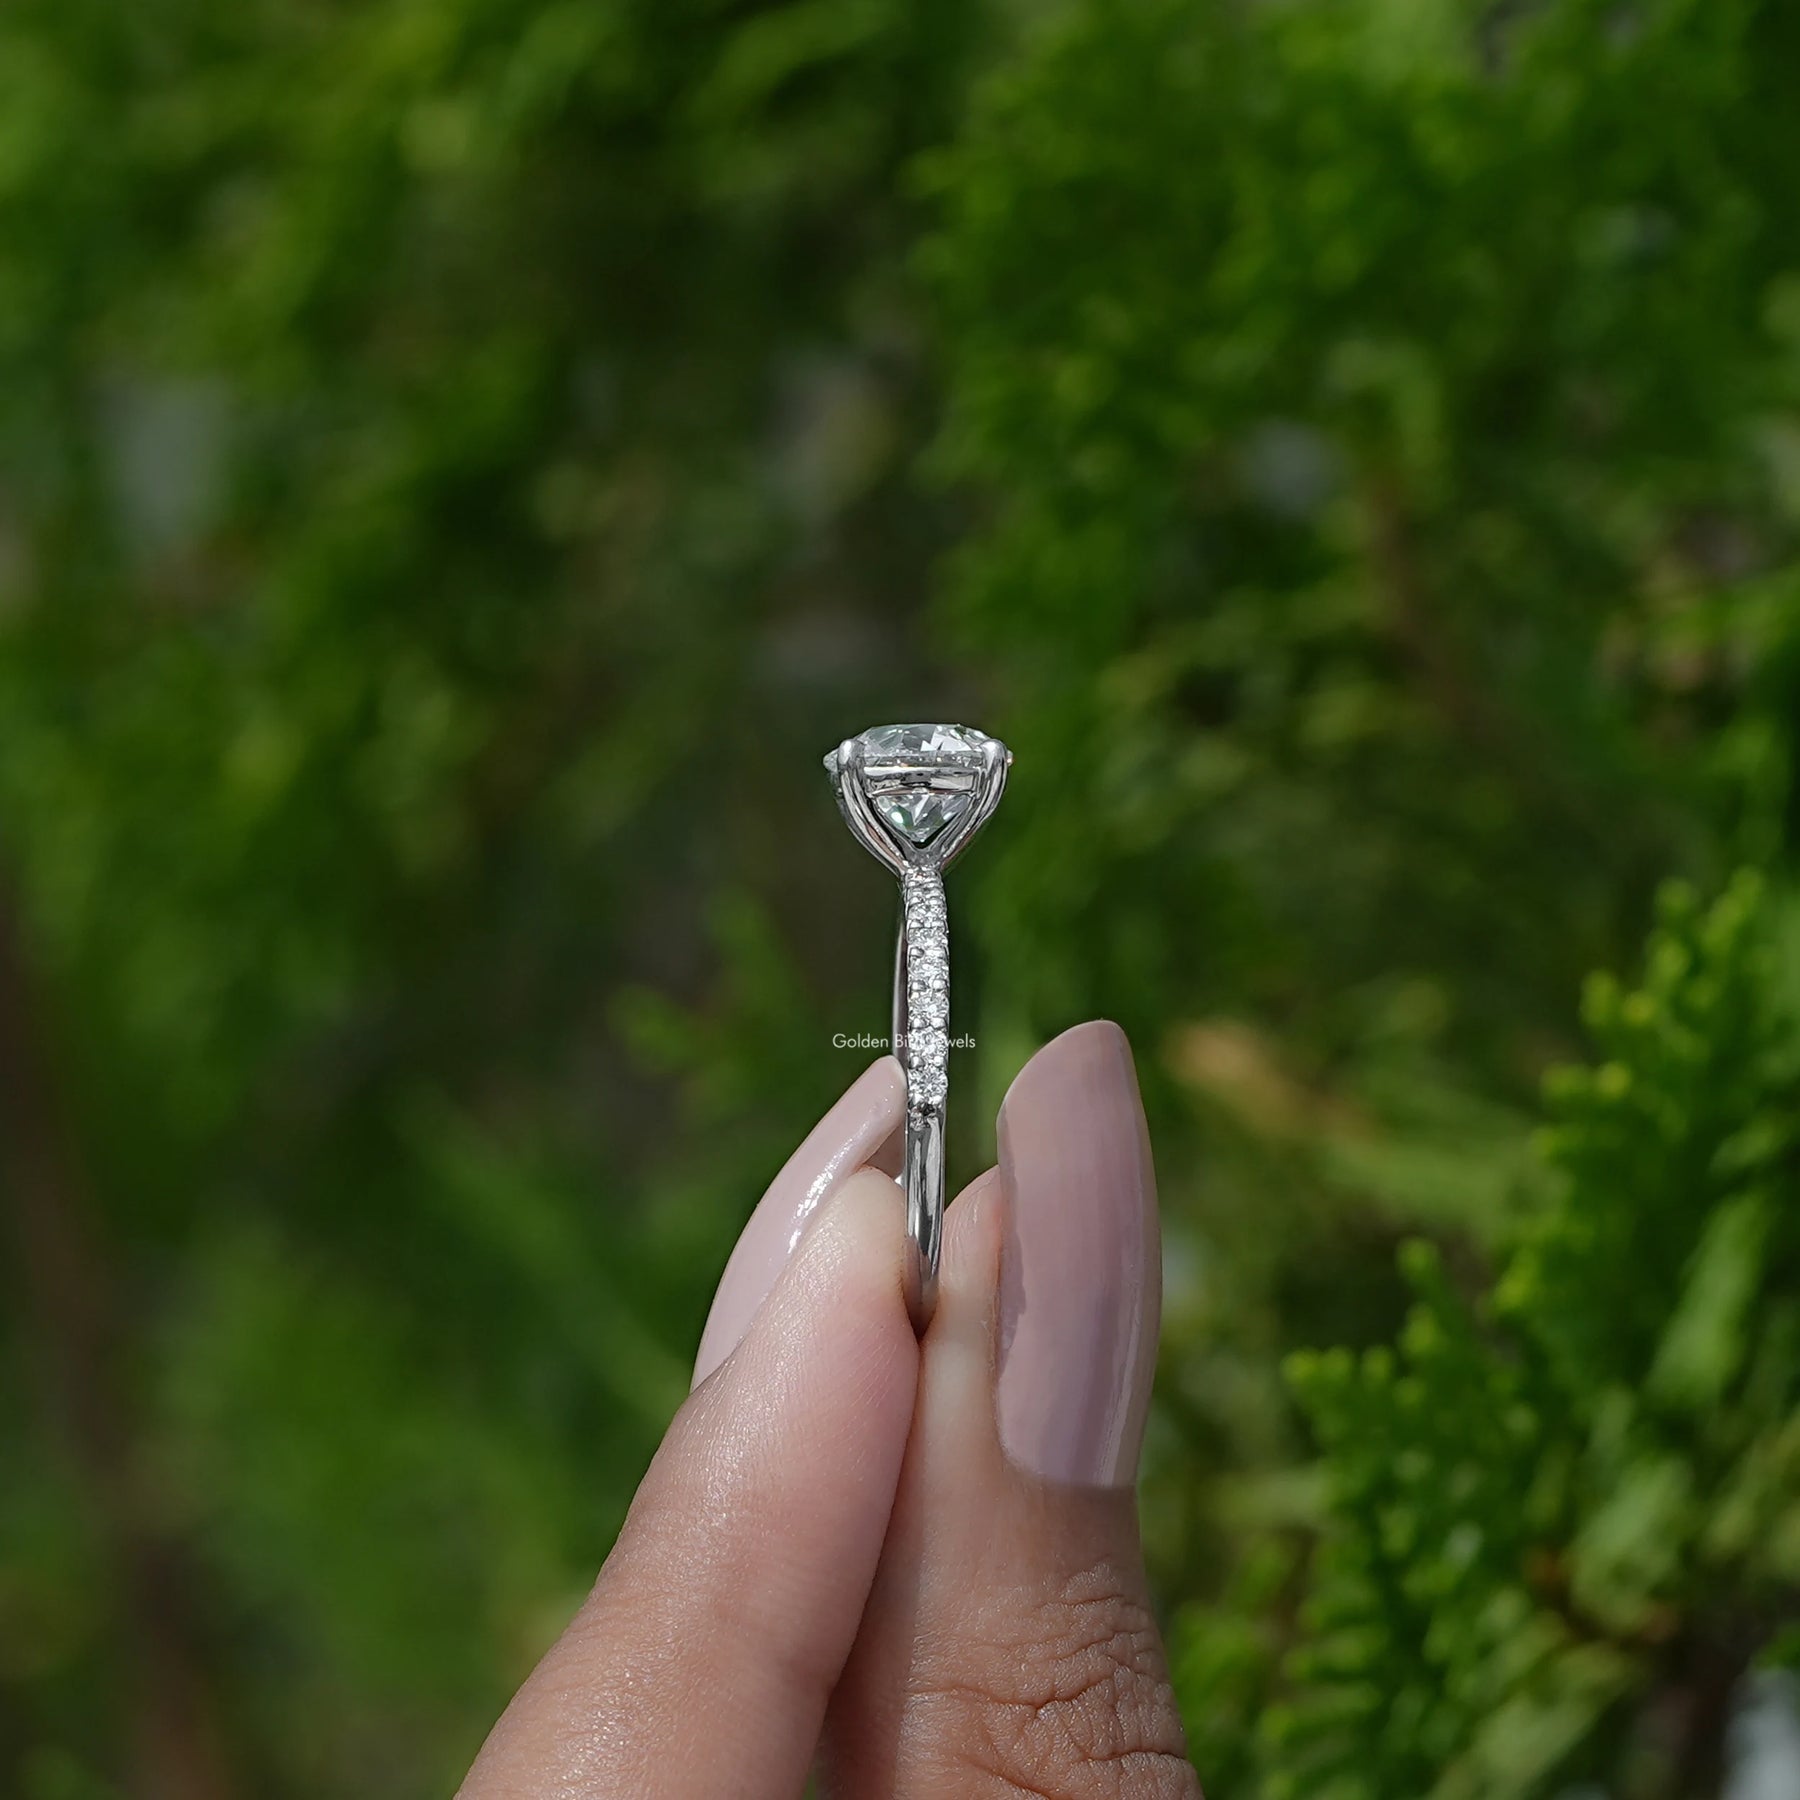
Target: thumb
{"x":701,"y":1663}
{"x":1009,"y":1644}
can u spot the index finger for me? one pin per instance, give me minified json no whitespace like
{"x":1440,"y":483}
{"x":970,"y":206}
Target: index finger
{"x":701,"y":1663}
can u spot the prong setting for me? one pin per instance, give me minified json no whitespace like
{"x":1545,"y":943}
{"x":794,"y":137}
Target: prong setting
{"x":931,"y":789}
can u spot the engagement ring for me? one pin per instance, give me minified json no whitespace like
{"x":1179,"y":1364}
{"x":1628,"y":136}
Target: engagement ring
{"x":913,"y":795}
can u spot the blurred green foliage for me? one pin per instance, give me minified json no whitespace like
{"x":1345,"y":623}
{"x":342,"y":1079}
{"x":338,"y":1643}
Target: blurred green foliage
{"x":462,"y":461}
{"x":1563,"y":1520}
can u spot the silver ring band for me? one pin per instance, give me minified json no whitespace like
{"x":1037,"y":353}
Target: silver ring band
{"x":913,"y":796}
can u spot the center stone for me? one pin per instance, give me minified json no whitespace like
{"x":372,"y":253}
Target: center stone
{"x":920,"y":777}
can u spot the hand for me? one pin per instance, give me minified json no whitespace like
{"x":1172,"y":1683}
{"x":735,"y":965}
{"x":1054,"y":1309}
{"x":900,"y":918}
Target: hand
{"x":913,"y":1565}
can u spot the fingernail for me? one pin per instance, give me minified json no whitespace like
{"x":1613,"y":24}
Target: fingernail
{"x":1081,"y":1262}
{"x":845,"y":1140}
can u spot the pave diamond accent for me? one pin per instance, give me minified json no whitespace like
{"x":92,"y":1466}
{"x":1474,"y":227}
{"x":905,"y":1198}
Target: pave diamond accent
{"x":927,"y":988}
{"x":920,"y":778}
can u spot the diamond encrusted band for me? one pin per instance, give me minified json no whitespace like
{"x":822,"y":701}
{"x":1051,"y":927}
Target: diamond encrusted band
{"x":913,"y":796}
{"x":925,"y":1028}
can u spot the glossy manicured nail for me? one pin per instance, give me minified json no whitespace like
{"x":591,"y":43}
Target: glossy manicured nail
{"x":1081,"y":1262}
{"x":845,"y":1140}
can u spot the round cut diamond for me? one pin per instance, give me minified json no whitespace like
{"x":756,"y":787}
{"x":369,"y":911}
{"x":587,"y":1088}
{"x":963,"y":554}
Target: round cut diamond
{"x":927,"y":1087}
{"x":921,"y":778}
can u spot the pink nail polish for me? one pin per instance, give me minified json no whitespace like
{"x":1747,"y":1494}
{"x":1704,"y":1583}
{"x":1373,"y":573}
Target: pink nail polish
{"x":845,"y":1140}
{"x":1081,"y":1263}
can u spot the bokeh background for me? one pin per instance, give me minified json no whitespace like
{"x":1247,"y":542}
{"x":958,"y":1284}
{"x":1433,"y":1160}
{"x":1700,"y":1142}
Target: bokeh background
{"x":461,"y":464}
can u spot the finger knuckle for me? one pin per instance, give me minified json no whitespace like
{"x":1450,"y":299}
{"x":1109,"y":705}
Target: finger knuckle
{"x":1071,"y":1703}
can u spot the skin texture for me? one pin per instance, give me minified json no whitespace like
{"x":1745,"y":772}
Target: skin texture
{"x":859,"y":1132}
{"x":702,"y":1662}
{"x":850,"y":1552}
